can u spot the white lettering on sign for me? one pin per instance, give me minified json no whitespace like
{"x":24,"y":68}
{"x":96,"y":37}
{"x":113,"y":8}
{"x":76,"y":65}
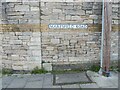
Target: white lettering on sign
{"x":67,"y":26}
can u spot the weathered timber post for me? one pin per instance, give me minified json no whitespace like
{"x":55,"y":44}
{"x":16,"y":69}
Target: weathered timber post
{"x":107,"y":30}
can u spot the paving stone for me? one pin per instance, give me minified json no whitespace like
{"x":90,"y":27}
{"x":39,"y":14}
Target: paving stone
{"x":114,"y":79}
{"x":18,"y":82}
{"x":35,"y":81}
{"x":92,"y":85}
{"x":48,"y":81}
{"x":102,"y":81}
{"x":0,"y":83}
{"x":45,"y":81}
{"x":71,"y":78}
{"x":71,"y":86}
{"x":36,"y":78}
{"x":6,"y":81}
{"x":34,"y":84}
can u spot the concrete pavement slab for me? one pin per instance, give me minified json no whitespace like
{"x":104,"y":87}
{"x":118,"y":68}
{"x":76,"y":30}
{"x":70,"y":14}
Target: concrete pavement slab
{"x":91,"y":85}
{"x":18,"y":82}
{"x":114,"y":78}
{"x":34,"y":84}
{"x":48,"y":81}
{"x":0,"y":83}
{"x":102,"y":81}
{"x":57,"y":86}
{"x":119,"y":80}
{"x":35,"y":81}
{"x":37,"y":77}
{"x":71,"y":78}
{"x":51,"y":89}
{"x":6,"y":80}
{"x":71,"y":86}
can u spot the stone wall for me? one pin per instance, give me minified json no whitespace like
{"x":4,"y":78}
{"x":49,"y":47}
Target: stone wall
{"x":89,"y":13}
{"x":70,"y":46}
{"x":21,"y":50}
{"x":27,"y":41}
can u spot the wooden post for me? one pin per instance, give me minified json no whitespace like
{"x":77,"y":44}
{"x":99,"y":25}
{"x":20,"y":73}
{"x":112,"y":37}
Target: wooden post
{"x":107,"y":30}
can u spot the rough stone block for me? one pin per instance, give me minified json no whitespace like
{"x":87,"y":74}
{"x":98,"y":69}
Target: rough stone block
{"x":15,"y":57}
{"x":31,"y":3}
{"x":27,"y":33}
{"x":92,"y":42}
{"x":88,"y":22}
{"x":34,"y":8}
{"x":49,"y":48}
{"x":17,"y":66}
{"x":33,"y":64}
{"x":34,"y":43}
{"x":35,"y":39}
{"x":24,"y":37}
{"x":55,"y":41}
{"x":81,"y":12}
{"x":34,"y":58}
{"x":89,"y":12}
{"x":23,"y":21}
{"x":36,"y":34}
{"x":68,"y":17}
{"x":42,"y":4}
{"x":36,"y":52}
{"x":115,"y":22}
{"x":76,"y":18}
{"x":15,"y":13}
{"x":57,"y":10}
{"x":93,"y":16}
{"x":35,"y":47}
{"x":16,"y":42}
{"x":47,"y":66}
{"x":66,"y":42}
{"x":73,"y":41}
{"x":34,"y":21}
{"x":55,"y":57}
{"x":13,"y":21}
{"x":18,"y":33}
{"x":67,"y":6}
{"x":74,"y":59}
{"x":22,"y":7}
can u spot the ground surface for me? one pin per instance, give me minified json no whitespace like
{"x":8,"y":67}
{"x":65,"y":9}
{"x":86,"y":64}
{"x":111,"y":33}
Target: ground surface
{"x":45,"y":81}
{"x":71,"y":78}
